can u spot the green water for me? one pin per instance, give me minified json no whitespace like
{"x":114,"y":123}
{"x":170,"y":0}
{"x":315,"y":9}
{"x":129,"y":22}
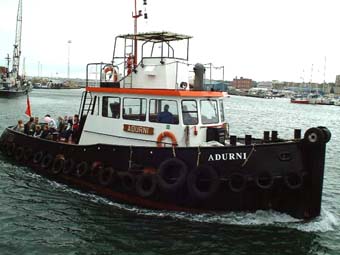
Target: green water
{"x":38,"y":216}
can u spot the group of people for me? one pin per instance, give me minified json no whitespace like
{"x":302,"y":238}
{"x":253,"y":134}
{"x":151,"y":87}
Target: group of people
{"x":64,"y":129}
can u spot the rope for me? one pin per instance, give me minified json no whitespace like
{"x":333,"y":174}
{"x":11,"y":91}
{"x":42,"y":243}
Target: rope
{"x":173,"y":151}
{"x":130,"y":160}
{"x":198,"y":156}
{"x":251,"y":152}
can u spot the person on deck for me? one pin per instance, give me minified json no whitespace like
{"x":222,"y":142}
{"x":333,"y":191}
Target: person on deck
{"x":28,"y":127}
{"x":75,"y":128}
{"x":20,"y":126}
{"x":165,"y":116}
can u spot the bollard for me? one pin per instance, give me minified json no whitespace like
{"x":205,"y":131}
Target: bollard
{"x":247,"y":140}
{"x":266,"y":136}
{"x":274,"y":135}
{"x":233,"y":139}
{"x":297,"y":133}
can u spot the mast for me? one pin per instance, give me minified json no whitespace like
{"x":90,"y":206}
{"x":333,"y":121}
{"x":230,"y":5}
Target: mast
{"x":135,"y":16}
{"x":17,"y":43}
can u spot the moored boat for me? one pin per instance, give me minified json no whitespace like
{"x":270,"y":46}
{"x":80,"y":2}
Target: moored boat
{"x":149,"y":138}
{"x":11,"y":83}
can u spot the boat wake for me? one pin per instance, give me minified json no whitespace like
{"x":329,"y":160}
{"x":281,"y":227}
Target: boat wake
{"x":326,"y":222}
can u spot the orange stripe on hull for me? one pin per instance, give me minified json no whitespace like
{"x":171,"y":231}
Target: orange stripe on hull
{"x":157,"y":92}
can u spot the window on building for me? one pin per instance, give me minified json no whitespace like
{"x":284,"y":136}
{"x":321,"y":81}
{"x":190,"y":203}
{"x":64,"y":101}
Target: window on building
{"x":189,"y":112}
{"x":111,"y":107}
{"x":209,"y":113}
{"x":163,"y":111}
{"x":134,"y":109}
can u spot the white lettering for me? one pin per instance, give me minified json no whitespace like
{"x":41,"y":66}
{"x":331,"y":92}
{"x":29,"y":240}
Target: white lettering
{"x":238,"y":155}
{"x":227,"y":156}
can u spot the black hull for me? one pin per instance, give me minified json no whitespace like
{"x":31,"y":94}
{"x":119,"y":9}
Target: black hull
{"x":282,"y":176}
{"x":5,"y":93}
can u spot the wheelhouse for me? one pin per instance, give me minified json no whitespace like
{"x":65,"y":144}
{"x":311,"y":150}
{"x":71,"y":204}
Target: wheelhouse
{"x":146,"y":100}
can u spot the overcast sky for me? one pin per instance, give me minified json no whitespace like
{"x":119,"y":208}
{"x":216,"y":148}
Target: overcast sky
{"x":258,"y":39}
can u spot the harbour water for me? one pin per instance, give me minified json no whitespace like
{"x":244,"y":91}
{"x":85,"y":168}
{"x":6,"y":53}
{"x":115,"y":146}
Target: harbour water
{"x":39,"y":216}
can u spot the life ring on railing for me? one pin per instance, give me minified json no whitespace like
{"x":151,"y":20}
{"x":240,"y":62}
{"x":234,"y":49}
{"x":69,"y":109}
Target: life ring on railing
{"x":111,"y":72}
{"x":69,"y":166}
{"x":146,"y":185}
{"x":58,"y":165}
{"x":264,"y":180}
{"x":46,"y":161}
{"x":164,"y":135}
{"x":293,"y":180}
{"x":105,"y":176}
{"x":19,"y":154}
{"x":38,"y":156}
{"x":82,"y":169}
{"x":172,"y":174}
{"x":129,"y":62}
{"x":237,"y":182}
{"x":203,"y":182}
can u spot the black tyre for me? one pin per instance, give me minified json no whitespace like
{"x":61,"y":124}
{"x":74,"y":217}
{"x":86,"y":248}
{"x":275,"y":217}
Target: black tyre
{"x":203,"y":182}
{"x":146,"y":185}
{"x":172,"y":174}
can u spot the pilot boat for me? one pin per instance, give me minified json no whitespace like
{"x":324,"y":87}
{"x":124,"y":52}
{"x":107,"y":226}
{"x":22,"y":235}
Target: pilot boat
{"x":150,"y":138}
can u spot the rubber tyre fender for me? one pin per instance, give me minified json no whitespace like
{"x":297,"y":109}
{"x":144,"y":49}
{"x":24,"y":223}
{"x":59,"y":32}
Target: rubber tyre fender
{"x":293,"y":180}
{"x":203,"y":174}
{"x":237,"y":182}
{"x":127,"y":180}
{"x":47,"y":161}
{"x":38,"y":156}
{"x":326,"y":133}
{"x":57,"y":166}
{"x":19,"y":154}
{"x":82,"y":169}
{"x":69,"y":166}
{"x":264,"y":180}
{"x":314,"y":136}
{"x":146,"y":185}
{"x":106,"y":176}
{"x":28,"y":154}
{"x":10,"y":149}
{"x":172,"y":175}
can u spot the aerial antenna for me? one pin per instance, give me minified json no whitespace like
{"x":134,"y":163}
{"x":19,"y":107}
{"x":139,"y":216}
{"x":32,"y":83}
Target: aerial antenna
{"x":135,"y":16}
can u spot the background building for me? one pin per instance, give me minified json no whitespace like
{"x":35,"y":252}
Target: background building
{"x":337,"y":85}
{"x":242,"y":83}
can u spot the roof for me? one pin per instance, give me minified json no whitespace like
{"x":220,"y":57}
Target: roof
{"x":156,"y":36}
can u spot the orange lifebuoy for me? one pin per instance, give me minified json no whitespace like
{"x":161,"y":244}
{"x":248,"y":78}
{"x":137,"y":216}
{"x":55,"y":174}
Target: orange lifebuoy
{"x":129,"y":63}
{"x":163,"y":135}
{"x":113,"y":71}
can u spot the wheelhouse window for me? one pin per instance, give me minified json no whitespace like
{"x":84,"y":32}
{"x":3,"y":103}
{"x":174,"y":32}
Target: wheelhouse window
{"x":222,"y":110}
{"x":209,"y":111}
{"x":163,"y":111}
{"x":111,"y":107}
{"x":134,"y":109}
{"x":189,"y":112}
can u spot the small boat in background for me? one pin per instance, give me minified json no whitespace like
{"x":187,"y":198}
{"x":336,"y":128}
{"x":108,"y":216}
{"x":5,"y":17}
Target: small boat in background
{"x":299,"y":99}
{"x":11,"y":83}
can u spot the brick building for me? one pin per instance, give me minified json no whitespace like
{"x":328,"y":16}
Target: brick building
{"x":242,"y":83}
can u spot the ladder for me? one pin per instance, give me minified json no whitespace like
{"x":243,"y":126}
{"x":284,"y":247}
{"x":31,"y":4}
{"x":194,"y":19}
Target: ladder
{"x":85,"y":104}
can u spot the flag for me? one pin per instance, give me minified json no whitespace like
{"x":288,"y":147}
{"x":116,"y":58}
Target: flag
{"x":28,"y":107}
